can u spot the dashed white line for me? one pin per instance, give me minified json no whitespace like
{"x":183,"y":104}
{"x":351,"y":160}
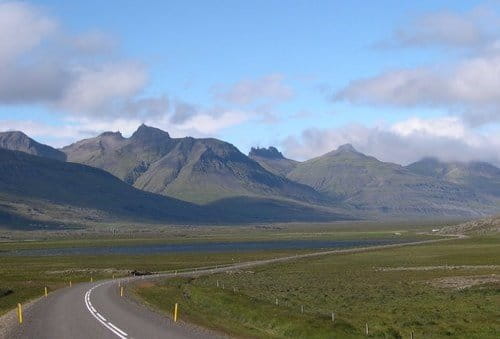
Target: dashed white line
{"x":113,"y":328}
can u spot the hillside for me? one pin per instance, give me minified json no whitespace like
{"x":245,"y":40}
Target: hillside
{"x":372,"y":186}
{"x":475,"y":227}
{"x":480,"y":176}
{"x":74,"y":191}
{"x":18,"y":141}
{"x":196,"y":170}
{"x":36,"y":192}
{"x":272,"y":160}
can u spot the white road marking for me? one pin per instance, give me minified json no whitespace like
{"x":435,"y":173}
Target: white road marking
{"x":101,"y":317}
{"x":121,"y":334}
{"x":116,"y":328}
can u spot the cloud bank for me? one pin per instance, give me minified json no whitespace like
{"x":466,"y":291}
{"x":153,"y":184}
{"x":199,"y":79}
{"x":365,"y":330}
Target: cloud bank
{"x":447,"y":138}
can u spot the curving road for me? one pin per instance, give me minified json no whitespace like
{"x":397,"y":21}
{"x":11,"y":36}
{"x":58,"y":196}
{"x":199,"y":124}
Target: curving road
{"x":96,"y":310}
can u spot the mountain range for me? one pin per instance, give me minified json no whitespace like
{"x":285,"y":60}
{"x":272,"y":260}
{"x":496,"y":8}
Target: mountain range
{"x":153,"y":177}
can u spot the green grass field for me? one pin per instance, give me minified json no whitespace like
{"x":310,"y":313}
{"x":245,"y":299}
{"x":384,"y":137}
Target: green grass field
{"x":24,"y":277}
{"x":421,"y":293}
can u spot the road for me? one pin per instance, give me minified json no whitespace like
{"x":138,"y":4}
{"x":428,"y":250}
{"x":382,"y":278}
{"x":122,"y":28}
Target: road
{"x":96,"y":310}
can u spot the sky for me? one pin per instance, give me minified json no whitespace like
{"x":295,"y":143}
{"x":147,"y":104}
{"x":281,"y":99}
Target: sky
{"x":400,"y":80}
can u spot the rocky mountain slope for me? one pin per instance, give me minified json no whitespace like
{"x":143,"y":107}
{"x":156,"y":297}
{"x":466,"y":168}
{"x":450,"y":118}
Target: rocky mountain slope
{"x":272,"y":160}
{"x":480,"y":176}
{"x":196,"y":170}
{"x":381,"y":188}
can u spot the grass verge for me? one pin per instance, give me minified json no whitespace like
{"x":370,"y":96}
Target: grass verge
{"x":395,"y":291}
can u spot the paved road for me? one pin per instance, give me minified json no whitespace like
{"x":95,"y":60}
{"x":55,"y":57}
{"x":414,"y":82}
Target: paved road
{"x":96,"y":310}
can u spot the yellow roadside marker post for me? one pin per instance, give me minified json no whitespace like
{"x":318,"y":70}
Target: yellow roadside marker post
{"x":175,"y":311}
{"x":20,"y":313}
{"x":121,"y":291}
{"x":46,"y":292}
{"x":91,"y":279}
{"x":70,"y":284}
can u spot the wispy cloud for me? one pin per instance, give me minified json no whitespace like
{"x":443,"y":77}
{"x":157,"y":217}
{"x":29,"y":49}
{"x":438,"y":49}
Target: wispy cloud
{"x":446,"y":28}
{"x":267,"y":89}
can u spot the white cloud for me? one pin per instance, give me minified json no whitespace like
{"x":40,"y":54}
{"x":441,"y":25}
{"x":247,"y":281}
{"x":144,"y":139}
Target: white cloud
{"x":95,"y":89}
{"x":447,"y":138}
{"x":41,"y":64}
{"x":470,"y":86}
{"x":267,"y":89}
{"x":22,"y":27}
{"x":445,"y":28}
{"x":446,"y":127}
{"x":209,"y":124}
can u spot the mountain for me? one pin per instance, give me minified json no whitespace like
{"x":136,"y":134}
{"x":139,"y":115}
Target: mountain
{"x":480,"y":176}
{"x":18,"y":141}
{"x":272,"y":160}
{"x":36,"y":192}
{"x":196,"y":170}
{"x":381,"y":188}
{"x":77,"y":192}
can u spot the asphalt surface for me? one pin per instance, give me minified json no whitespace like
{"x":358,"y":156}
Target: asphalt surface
{"x":96,"y":310}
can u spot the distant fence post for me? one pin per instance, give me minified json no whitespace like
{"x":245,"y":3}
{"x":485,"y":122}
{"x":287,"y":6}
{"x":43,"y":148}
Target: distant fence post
{"x":366,"y":329}
{"x":175,"y":311}
{"x":20,"y":313}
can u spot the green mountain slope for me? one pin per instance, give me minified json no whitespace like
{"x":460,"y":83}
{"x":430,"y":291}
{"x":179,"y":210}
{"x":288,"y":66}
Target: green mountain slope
{"x":196,"y":170}
{"x":25,"y":178}
{"x":36,"y":190}
{"x":380,"y":188}
{"x":480,"y":176}
{"x":272,"y":160}
{"x":18,"y":141}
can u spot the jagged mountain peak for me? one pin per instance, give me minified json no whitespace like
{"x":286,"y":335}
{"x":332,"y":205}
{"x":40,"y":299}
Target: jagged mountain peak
{"x":145,"y":132}
{"x":270,"y":153}
{"x":111,"y":134}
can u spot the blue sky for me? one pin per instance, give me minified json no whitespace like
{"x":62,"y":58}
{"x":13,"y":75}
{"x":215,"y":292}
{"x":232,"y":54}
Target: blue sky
{"x":391,"y":77}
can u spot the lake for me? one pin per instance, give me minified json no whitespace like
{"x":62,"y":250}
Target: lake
{"x":207,"y":247}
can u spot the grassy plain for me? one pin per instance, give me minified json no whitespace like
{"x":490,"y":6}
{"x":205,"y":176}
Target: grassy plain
{"x":23,"y":277}
{"x":395,"y":291}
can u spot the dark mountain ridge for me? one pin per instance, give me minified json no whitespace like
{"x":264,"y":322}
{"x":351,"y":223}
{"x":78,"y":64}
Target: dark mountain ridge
{"x":18,"y":141}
